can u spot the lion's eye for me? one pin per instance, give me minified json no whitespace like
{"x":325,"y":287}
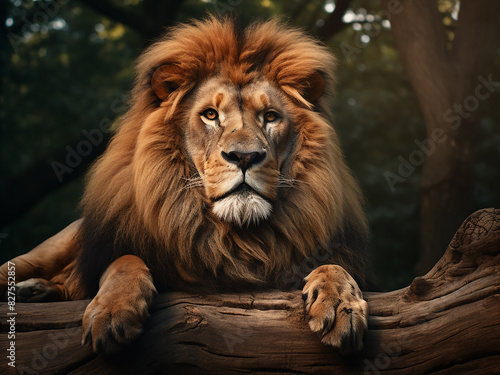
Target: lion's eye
{"x":270,"y":116}
{"x":210,"y":114}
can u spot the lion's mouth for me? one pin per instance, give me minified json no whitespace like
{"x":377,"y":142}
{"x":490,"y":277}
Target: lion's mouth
{"x":242,"y":206}
{"x":242,"y":189}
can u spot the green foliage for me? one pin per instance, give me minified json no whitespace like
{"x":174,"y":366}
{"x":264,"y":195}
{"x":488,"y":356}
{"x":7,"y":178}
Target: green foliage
{"x":62,"y":77}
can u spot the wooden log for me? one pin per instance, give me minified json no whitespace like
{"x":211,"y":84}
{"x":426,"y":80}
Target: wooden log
{"x":446,"y":322}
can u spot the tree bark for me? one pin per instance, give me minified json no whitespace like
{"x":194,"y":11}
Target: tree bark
{"x":445,"y":81}
{"x":446,"y":322}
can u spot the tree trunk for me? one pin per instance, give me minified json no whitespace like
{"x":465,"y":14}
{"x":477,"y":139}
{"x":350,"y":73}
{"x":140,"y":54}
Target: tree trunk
{"x":446,"y":322}
{"x":445,"y":81}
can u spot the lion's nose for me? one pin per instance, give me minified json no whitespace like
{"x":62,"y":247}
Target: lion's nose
{"x":244,"y":160}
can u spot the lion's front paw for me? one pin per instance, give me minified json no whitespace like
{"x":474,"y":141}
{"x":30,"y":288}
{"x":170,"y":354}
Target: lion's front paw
{"x":37,"y":290}
{"x":336,"y":308}
{"x":108,"y":325}
{"x":117,"y":313}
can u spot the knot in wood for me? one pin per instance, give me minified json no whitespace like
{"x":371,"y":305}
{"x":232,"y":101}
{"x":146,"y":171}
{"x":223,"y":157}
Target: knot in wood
{"x":418,"y":287}
{"x":194,"y":316}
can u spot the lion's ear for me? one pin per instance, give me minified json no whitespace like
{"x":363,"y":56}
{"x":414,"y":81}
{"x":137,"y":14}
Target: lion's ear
{"x":315,"y":87}
{"x":166,"y":79}
{"x":308,"y":90}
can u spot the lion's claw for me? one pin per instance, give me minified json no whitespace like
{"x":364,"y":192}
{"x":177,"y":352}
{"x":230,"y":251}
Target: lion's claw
{"x":116,"y":315}
{"x":336,"y":308}
{"x":110,"y":326}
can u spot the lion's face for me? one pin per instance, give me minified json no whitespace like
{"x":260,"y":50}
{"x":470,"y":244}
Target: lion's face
{"x":239,"y":139}
{"x":228,"y":128}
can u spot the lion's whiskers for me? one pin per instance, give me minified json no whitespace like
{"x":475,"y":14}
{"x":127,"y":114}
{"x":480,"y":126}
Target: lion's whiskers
{"x":193,"y":182}
{"x":288,"y":182}
{"x":283,"y":182}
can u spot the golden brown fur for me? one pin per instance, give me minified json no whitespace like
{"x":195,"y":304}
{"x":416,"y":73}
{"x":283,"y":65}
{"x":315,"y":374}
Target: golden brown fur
{"x":136,"y":201}
{"x":247,"y":195}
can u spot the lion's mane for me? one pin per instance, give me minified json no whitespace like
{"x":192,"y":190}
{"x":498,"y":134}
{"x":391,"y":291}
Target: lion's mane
{"x":136,"y":202}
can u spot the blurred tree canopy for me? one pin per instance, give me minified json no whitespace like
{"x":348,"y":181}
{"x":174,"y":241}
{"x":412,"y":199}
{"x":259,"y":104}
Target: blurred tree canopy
{"x":67,"y":66}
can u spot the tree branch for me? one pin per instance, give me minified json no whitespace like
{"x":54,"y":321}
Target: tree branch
{"x":149,"y":19}
{"x":447,"y":321}
{"x":135,"y":20}
{"x":334,"y":23}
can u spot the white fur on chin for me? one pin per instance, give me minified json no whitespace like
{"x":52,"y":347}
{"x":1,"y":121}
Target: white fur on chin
{"x":243,"y":208}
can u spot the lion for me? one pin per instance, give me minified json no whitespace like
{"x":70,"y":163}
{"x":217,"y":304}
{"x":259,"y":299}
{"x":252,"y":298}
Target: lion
{"x":225,"y":174}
